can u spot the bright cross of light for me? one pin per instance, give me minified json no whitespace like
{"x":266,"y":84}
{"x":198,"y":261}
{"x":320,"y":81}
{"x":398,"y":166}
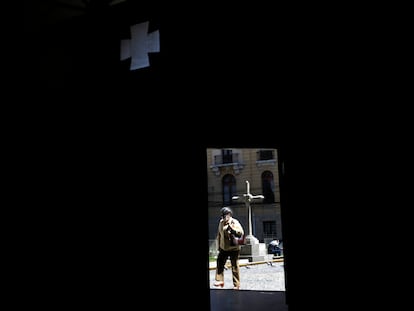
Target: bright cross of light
{"x":140,"y":44}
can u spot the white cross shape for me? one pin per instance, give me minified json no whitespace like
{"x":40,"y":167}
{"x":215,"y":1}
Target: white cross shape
{"x":140,"y":44}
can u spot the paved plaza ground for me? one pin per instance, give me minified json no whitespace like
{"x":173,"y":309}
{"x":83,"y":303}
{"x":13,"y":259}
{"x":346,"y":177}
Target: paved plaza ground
{"x":268,"y":276}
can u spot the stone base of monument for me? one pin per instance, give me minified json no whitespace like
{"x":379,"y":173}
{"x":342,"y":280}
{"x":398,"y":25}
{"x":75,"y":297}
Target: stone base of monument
{"x":254,"y":251}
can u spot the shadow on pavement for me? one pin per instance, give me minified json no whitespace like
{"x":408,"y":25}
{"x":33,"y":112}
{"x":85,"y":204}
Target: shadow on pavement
{"x":229,"y":299}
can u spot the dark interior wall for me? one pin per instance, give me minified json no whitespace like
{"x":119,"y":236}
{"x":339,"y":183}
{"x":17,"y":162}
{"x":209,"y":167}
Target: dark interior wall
{"x":196,"y":45}
{"x":82,"y":52}
{"x":102,"y":137}
{"x":89,"y":136}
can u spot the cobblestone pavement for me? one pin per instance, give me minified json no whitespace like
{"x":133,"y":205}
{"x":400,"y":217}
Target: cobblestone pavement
{"x":264,"y":277}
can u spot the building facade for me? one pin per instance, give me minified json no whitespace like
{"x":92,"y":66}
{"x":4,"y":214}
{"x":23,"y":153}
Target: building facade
{"x":233,"y":172}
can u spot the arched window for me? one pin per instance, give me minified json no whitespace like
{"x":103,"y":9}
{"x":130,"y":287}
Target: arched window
{"x":229,"y":188}
{"x":268,"y":187}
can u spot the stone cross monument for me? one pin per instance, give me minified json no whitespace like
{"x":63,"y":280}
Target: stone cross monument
{"x":251,"y":249}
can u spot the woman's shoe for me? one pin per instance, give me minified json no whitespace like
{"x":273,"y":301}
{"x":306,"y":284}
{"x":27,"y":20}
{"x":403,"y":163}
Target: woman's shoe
{"x":219,"y":283}
{"x":236,"y":287}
